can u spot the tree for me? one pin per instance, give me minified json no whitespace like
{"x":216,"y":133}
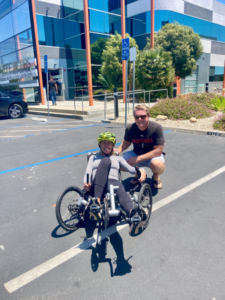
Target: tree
{"x":111,"y":69}
{"x":96,"y":57}
{"x":154,"y":69}
{"x":183,"y":44}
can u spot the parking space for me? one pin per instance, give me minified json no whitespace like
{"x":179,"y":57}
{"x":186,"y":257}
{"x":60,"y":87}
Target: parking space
{"x":179,"y":256}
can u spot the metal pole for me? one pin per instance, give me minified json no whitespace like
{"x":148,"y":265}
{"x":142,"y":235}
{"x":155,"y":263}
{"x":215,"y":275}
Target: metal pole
{"x":75,"y":102}
{"x":82,"y":103}
{"x":133,"y":82}
{"x":128,"y":103}
{"x":167,"y":93}
{"x":47,"y":92}
{"x":126,"y":94}
{"x":105,"y":107}
{"x":149,"y":99}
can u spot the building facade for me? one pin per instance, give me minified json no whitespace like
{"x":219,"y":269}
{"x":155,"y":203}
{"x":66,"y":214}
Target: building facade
{"x":30,"y":29}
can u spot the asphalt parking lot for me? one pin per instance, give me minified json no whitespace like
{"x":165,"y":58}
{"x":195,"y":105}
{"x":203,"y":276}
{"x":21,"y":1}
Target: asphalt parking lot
{"x":180,"y":255}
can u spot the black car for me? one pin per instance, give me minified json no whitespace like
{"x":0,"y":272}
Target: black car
{"x":11,"y":106}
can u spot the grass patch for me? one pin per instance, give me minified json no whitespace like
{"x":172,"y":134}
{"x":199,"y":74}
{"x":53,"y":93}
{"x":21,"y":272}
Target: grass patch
{"x":180,"y":109}
{"x":220,"y":122}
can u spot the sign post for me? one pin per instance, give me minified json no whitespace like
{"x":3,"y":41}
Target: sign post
{"x":46,"y":72}
{"x":125,"y":56}
{"x":133,"y":55}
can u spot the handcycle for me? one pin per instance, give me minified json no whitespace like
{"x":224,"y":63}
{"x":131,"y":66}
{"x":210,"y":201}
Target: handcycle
{"x":73,"y":204}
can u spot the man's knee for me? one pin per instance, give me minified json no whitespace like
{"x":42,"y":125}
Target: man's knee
{"x":157,"y":166}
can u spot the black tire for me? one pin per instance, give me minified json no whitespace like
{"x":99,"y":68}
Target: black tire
{"x":67,"y":214}
{"x":145,"y":200}
{"x":15,"y":111}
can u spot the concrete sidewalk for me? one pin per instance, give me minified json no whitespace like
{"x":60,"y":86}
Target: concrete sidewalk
{"x":75,"y":109}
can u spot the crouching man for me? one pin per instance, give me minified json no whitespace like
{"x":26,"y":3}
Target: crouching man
{"x":148,"y":142}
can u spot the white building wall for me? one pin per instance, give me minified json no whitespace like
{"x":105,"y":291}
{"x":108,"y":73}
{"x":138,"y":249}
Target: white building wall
{"x":207,"y":45}
{"x":208,"y":4}
{"x":142,"y":6}
{"x":219,"y":19}
{"x":217,"y":60}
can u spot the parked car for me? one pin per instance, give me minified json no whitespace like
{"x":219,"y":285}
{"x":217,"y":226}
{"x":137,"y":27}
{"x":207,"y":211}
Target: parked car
{"x":15,"y":94}
{"x":11,"y":106}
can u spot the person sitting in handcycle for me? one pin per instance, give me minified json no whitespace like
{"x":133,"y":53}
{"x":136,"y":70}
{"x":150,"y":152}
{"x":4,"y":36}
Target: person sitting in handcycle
{"x":103,"y":170}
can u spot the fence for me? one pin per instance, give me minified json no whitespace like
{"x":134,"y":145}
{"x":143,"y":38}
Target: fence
{"x":110,"y":96}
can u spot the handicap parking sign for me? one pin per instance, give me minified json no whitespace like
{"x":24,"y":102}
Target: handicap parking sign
{"x":125,"y":49}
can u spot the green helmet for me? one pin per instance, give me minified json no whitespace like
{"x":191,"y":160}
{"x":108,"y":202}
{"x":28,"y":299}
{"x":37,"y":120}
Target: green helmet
{"x":107,"y":136}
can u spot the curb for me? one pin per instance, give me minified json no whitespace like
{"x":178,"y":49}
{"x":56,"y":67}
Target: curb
{"x":177,"y":129}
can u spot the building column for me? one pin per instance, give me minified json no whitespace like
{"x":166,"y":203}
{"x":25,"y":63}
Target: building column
{"x":88,"y":52}
{"x":152,"y":24}
{"x":123,"y":31}
{"x":37,"y":50}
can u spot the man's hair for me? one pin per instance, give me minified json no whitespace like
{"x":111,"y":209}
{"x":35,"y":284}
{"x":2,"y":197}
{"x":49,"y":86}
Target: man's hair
{"x":141,"y":107}
{"x":51,"y":77}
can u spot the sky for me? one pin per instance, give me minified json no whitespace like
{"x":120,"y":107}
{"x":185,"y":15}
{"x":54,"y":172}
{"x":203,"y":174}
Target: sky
{"x":222,"y":1}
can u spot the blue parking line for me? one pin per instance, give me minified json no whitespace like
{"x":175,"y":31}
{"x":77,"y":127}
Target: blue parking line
{"x":61,"y":130}
{"x":55,"y":159}
{"x":58,"y":120}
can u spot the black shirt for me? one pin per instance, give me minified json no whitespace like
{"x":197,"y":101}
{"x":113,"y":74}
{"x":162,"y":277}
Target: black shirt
{"x":52,"y":85}
{"x":144,"y":141}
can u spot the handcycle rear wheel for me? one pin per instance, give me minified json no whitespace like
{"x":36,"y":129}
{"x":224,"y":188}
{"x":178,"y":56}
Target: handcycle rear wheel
{"x":67,"y":212}
{"x":145,"y":200}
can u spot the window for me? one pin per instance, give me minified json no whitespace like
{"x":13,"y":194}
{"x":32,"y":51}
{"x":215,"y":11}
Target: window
{"x":26,"y":53}
{"x":103,"y":22}
{"x":5,"y":7}
{"x":216,"y":73}
{"x":24,"y":39}
{"x":6,"y":23}
{"x":21,"y":18}
{"x":10,"y":58}
{"x":7,"y":46}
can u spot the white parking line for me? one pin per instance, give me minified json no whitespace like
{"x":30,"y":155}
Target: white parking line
{"x":13,"y":285}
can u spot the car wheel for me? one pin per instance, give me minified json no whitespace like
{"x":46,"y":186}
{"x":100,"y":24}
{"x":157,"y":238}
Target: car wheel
{"x":15,"y":111}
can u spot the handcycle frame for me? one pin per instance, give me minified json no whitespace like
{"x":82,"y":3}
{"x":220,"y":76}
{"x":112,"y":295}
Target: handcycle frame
{"x":108,"y":209}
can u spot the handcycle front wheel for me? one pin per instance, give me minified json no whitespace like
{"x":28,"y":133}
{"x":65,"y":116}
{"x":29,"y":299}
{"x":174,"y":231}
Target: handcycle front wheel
{"x":145,"y":200}
{"x":67,"y":212}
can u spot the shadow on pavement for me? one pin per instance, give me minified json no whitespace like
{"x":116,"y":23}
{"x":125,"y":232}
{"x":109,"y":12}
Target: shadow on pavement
{"x":59,"y":232}
{"x":99,"y":252}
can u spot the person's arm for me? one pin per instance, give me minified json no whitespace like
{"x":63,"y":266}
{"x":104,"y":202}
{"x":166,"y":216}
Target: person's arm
{"x":124,"y":145}
{"x":125,"y":166}
{"x":56,"y":88}
{"x":157,"y":151}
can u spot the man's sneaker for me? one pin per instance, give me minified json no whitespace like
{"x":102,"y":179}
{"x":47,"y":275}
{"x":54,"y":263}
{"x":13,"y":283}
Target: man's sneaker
{"x":137,"y":219}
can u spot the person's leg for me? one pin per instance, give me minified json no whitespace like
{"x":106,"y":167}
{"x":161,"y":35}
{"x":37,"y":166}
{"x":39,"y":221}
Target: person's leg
{"x":157,"y":166}
{"x":52,"y":97}
{"x":55,"y":97}
{"x":101,"y":178}
{"x":124,"y":198}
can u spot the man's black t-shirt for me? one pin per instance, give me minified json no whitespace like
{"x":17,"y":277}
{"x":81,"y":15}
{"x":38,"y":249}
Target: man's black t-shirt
{"x":144,"y":141}
{"x":52,"y":85}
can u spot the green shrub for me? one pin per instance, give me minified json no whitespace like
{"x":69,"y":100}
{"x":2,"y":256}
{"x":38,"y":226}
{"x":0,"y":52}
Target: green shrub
{"x":218,"y":104}
{"x":120,"y":89}
{"x":98,"y":92}
{"x":220,"y":122}
{"x":180,"y":109}
{"x":204,"y":98}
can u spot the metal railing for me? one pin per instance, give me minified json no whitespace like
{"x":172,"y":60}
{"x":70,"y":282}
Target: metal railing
{"x":110,"y":96}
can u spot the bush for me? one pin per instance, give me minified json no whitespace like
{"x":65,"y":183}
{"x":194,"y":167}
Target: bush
{"x":218,"y":104}
{"x":220,"y":122}
{"x":180,"y":109}
{"x":204,"y":98}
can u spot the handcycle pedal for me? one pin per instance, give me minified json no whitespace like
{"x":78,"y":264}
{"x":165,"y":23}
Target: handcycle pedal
{"x":136,"y":218}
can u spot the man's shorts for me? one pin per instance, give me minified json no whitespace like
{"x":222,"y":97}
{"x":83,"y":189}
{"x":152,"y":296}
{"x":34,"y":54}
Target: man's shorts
{"x":145,"y":163}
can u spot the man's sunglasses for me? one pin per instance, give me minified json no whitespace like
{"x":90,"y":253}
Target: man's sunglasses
{"x":142,"y":117}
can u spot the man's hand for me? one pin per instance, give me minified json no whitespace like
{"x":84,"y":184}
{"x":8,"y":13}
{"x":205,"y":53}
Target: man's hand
{"x":87,"y":187}
{"x":132,"y":161}
{"x":56,"y":92}
{"x":143,"y":176}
